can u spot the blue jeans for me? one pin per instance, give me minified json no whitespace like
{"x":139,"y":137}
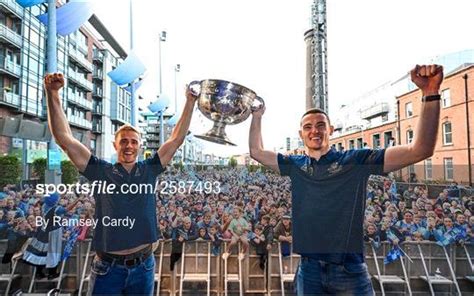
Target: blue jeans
{"x":315,"y":277}
{"x":112,"y":279}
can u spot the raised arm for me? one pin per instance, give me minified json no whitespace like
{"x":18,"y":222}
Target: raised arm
{"x":57,"y":121}
{"x":428,"y":79}
{"x":265,"y":157}
{"x":179,"y":132}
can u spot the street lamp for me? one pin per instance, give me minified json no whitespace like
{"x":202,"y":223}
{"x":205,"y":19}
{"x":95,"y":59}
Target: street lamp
{"x":53,"y":172}
{"x":161,"y":39}
{"x":177,"y":68}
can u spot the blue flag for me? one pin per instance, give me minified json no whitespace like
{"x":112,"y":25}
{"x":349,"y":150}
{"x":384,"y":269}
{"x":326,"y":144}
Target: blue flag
{"x":393,"y":255}
{"x":453,"y":235}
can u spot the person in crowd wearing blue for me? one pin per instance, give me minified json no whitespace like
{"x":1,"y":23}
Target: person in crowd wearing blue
{"x":329,"y":190}
{"x":124,"y":263}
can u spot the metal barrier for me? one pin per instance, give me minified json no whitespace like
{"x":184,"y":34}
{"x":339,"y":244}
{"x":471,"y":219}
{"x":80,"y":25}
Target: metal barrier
{"x":388,"y":278}
{"x":271,"y":280}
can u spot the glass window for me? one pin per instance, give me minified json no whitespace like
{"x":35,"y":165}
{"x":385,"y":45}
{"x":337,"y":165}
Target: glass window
{"x":34,"y":37}
{"x":376,"y":141}
{"x":448,"y":169}
{"x":446,"y":97}
{"x":409,"y":136}
{"x":428,"y":169}
{"x":33,"y":65}
{"x":351,"y":144}
{"x":447,"y":133}
{"x":408,"y":109}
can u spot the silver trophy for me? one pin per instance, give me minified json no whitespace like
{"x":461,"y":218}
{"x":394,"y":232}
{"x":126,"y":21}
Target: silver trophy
{"x":224,"y":103}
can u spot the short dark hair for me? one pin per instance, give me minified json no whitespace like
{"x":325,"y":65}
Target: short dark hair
{"x":316,"y":111}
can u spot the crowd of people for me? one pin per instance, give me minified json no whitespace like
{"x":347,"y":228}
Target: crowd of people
{"x":253,"y":208}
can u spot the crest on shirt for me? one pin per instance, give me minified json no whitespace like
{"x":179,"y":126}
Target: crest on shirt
{"x":115,"y":171}
{"x":334,"y":168}
{"x":307,"y":168}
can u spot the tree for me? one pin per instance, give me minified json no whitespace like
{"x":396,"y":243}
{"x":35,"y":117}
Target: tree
{"x":39,"y":168}
{"x":232,"y":162}
{"x":10,"y":170}
{"x":70,"y":174}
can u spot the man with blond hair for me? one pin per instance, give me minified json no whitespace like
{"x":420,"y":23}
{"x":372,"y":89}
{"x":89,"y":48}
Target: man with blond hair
{"x":124,"y":263}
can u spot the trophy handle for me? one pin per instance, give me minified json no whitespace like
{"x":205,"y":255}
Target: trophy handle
{"x":260,"y":105}
{"x":195,"y":87}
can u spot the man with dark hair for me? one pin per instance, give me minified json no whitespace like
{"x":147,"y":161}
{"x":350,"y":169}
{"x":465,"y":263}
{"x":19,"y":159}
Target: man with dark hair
{"x":329,"y":190}
{"x":124,"y":263}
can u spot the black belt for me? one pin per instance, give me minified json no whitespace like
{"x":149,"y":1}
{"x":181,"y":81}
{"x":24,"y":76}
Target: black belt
{"x":128,"y":260}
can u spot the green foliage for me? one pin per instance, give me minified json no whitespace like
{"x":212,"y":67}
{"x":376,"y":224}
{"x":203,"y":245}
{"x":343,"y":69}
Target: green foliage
{"x":70,"y":174}
{"x":10,"y":170}
{"x":39,"y":168}
{"x":232,"y":162}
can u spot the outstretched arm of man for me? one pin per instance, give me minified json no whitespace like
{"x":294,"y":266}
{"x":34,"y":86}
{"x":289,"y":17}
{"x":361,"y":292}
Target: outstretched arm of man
{"x":265,"y":157}
{"x":179,"y":132}
{"x":77,"y":152}
{"x":428,"y":79}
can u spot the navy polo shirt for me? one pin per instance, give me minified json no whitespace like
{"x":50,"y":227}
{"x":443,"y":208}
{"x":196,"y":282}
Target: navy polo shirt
{"x":328,"y":198}
{"x":125,"y":206}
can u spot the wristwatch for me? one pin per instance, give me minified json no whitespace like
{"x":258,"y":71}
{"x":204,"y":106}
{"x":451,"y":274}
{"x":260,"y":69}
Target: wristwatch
{"x":431,"y":98}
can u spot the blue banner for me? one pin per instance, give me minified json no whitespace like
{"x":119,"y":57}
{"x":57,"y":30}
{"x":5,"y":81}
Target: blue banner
{"x":29,"y":3}
{"x":128,"y":71}
{"x":54,"y":159}
{"x":70,"y":17}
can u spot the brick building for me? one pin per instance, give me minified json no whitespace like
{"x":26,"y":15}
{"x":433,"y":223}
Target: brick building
{"x":454,"y":153}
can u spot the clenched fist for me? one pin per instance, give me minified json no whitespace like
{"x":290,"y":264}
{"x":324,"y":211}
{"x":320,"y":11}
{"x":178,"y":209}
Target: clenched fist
{"x":428,"y":78}
{"x":53,"y":82}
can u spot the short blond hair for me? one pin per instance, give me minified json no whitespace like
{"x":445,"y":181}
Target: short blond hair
{"x":127,"y":127}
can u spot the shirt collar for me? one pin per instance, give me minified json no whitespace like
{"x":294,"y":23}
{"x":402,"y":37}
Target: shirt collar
{"x":329,"y":157}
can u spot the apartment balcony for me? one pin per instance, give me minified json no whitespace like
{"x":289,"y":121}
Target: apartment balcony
{"x":152,"y":145}
{"x":79,"y":121}
{"x":152,"y":129}
{"x":374,"y":111}
{"x":97,"y":92}
{"x":96,"y":128}
{"x":97,"y":110}
{"x":98,"y":56}
{"x":79,"y":101}
{"x":78,"y":57}
{"x":152,"y":138}
{"x":79,"y":80}
{"x":9,"y":36}
{"x":98,"y":75}
{"x":10,"y":99}
{"x":11,"y":8}
{"x":10,"y":68}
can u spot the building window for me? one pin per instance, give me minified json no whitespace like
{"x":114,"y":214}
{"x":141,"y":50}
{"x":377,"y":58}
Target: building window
{"x":376,"y":141}
{"x":388,"y":139}
{"x":351,"y":144}
{"x":428,"y":169}
{"x":448,"y":169}
{"x":409,"y":109}
{"x":447,"y":133}
{"x":339,"y":147}
{"x":446,"y":97}
{"x":411,"y":174}
{"x":360,"y":143}
{"x":409,"y":136}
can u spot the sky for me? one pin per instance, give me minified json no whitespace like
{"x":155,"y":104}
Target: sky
{"x":260,"y":44}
